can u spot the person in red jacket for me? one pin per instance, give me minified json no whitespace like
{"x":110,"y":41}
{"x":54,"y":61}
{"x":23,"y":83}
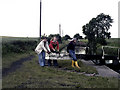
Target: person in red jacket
{"x":54,"y":47}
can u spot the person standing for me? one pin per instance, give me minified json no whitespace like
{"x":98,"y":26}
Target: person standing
{"x":54,"y":47}
{"x":41,"y":48}
{"x":71,"y":51}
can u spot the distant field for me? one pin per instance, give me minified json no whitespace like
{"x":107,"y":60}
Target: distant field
{"x":17,"y":44}
{"x":111,"y":41}
{"x":6,"y":39}
{"x":114,"y":42}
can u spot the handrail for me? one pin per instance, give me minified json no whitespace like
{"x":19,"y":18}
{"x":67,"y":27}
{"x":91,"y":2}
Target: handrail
{"x":111,"y":47}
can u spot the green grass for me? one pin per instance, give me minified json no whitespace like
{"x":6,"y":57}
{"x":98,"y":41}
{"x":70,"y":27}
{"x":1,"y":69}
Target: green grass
{"x":110,"y":42}
{"x":6,"y":39}
{"x":31,"y":75}
{"x":113,"y":42}
{"x":12,"y":57}
{"x":66,"y":64}
{"x":84,"y":40}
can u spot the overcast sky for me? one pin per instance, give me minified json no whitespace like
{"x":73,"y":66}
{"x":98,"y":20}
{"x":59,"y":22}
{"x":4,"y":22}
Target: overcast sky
{"x":21,"y":17}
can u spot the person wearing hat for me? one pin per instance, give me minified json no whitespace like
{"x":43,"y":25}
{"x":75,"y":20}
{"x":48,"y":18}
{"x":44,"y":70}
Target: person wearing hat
{"x":41,"y":48}
{"x":71,"y":51}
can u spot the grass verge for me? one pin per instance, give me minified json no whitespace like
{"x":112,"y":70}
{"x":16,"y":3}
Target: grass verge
{"x":7,"y":60}
{"x":66,"y":64}
{"x":31,"y":75}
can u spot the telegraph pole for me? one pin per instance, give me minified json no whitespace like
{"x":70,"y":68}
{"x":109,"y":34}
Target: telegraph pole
{"x":40,"y":16}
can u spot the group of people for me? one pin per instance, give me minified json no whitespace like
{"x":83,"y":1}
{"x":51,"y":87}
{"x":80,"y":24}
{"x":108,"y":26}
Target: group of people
{"x":43,"y":47}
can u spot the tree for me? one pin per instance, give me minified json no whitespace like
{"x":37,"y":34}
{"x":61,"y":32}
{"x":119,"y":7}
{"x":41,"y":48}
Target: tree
{"x":59,"y":38}
{"x":77,"y":36}
{"x":56,"y":35}
{"x":96,"y":31}
{"x":66,"y":37}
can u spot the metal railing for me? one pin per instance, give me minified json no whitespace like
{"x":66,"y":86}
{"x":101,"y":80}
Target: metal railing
{"x":103,"y":51}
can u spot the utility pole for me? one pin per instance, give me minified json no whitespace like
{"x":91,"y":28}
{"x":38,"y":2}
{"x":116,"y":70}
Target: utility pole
{"x":40,"y":16}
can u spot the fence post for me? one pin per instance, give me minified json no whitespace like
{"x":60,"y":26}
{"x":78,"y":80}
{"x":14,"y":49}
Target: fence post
{"x":103,"y":52}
